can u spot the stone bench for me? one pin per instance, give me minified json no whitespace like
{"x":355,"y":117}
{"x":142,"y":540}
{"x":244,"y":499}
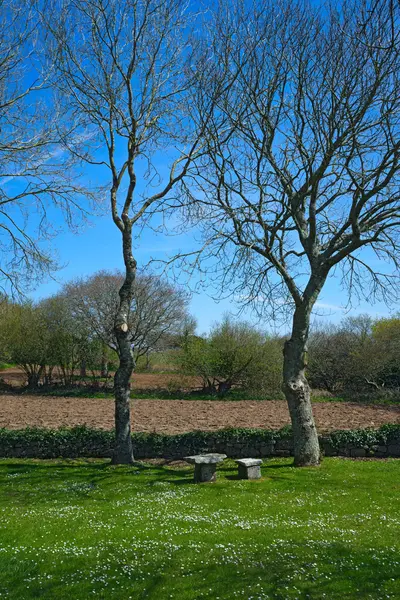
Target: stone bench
{"x":205,"y":466}
{"x":249,"y":468}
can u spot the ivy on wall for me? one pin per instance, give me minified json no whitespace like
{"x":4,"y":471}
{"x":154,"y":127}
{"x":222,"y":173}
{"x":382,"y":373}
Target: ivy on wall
{"x":82,"y":441}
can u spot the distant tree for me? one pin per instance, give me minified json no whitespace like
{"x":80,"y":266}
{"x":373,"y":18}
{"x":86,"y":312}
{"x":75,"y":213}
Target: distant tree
{"x":337,"y":358}
{"x":68,"y":342}
{"x":384,"y":358}
{"x":234,"y":354}
{"x":4,"y":310}
{"x":158,"y":311}
{"x":24,"y":335}
{"x":178,"y":337}
{"x":47,"y":341}
{"x":329,"y":359}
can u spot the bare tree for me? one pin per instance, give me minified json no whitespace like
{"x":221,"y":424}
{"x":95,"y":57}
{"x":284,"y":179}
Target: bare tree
{"x":35,"y":173}
{"x":119,"y":68}
{"x":158,"y":310}
{"x":373,"y":15}
{"x":301,"y":178}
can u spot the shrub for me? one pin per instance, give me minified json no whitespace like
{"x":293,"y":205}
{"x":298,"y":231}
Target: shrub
{"x":83,"y":441}
{"x":233,"y":355}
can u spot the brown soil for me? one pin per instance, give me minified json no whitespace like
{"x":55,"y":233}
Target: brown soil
{"x":176,"y":416}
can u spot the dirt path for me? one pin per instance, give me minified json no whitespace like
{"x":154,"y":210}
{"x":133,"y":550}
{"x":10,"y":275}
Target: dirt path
{"x":175,"y":416}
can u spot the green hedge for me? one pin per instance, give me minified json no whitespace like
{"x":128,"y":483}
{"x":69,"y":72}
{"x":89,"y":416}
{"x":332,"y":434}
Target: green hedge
{"x":366,"y":438}
{"x":83,"y":441}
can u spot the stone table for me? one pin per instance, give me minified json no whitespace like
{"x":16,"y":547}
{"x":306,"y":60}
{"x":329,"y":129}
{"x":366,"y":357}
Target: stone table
{"x":205,"y":466}
{"x":249,"y":468}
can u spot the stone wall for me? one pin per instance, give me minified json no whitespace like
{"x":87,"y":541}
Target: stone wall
{"x":84,"y":442}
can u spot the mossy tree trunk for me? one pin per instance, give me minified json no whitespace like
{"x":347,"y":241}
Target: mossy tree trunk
{"x":295,"y":385}
{"x":298,"y":393}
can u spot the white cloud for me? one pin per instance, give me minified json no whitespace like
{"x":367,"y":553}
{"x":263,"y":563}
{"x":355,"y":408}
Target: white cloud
{"x":330,"y":306}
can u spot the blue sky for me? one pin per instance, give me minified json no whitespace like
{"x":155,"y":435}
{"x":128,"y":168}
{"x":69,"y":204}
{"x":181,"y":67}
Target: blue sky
{"x":98,"y":247}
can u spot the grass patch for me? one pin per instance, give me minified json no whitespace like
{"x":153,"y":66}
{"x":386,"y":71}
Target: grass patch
{"x":82,"y":529}
{"x":370,"y":400}
{"x":85,"y":390}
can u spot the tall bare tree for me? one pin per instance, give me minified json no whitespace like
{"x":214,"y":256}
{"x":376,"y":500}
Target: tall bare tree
{"x":119,"y":67}
{"x":36,"y":175}
{"x":301,"y":177}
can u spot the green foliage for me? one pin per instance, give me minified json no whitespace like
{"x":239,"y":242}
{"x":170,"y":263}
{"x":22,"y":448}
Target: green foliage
{"x":49,"y":343}
{"x":68,"y":342}
{"x":25,"y":339}
{"x":83,"y":441}
{"x":65,"y":441}
{"x":385,"y":352}
{"x":86,"y":529}
{"x":6,"y":365}
{"x":235,"y":354}
{"x":165,"y":361}
{"x":366,"y":438}
{"x":358,"y":356}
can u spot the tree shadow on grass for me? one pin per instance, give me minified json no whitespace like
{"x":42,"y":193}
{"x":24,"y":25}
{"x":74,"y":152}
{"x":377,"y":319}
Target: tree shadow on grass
{"x":341,"y":574}
{"x":32,"y":481}
{"x":337,"y":575}
{"x":278,"y":466}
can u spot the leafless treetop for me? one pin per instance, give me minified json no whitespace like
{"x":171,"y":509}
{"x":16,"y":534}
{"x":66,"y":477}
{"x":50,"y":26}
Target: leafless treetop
{"x":36,"y":174}
{"x":302,"y":171}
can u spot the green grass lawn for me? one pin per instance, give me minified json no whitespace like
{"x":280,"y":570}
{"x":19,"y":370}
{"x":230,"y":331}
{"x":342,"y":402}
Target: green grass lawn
{"x":76,"y":529}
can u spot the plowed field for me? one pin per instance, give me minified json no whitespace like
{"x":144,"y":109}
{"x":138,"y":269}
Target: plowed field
{"x":175,"y":416}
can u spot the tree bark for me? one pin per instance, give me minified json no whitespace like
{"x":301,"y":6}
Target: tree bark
{"x":123,"y":453}
{"x":83,"y":368}
{"x":34,"y":375}
{"x":298,"y":393}
{"x":104,"y":362}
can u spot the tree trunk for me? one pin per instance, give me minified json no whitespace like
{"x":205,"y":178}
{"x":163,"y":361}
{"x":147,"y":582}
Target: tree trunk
{"x":34,"y":375}
{"x":33,"y":379}
{"x":223,"y":388}
{"x":48,"y":376}
{"x":123,"y":453}
{"x":298,"y":393}
{"x":83,"y":368}
{"x":104,"y":363}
